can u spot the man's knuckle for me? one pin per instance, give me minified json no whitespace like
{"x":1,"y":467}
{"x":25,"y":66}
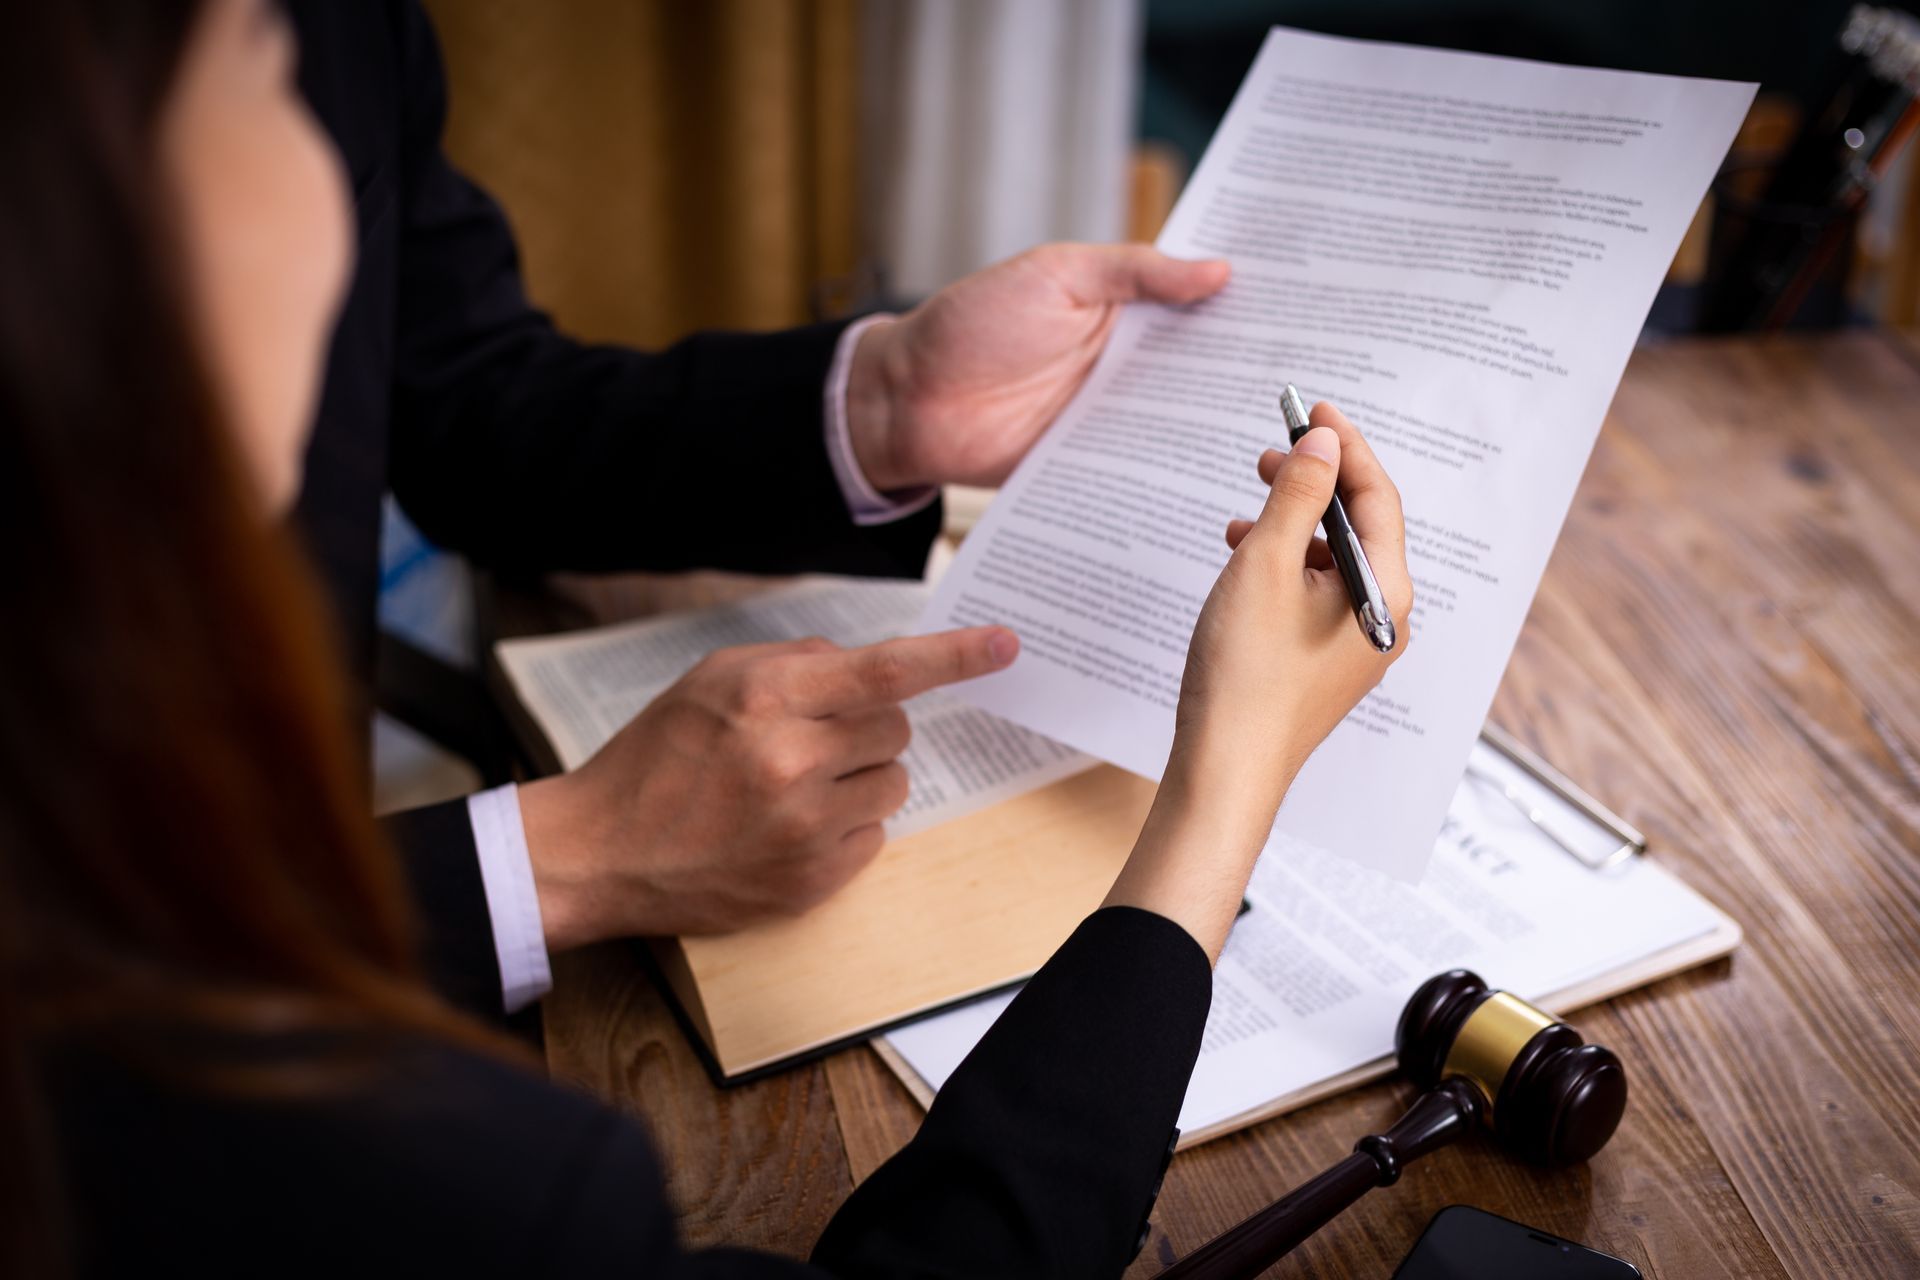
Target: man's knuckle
{"x":897,"y":730}
{"x":1050,"y":256}
{"x":761,"y":690}
{"x":760,"y":701}
{"x":778,"y":766}
{"x":887,"y":674}
{"x":897,"y":787}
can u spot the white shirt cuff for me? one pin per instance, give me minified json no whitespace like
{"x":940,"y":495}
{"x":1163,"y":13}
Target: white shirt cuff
{"x":506,"y":872}
{"x":866,"y":504}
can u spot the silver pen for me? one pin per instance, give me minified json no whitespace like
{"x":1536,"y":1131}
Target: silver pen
{"x":1369,"y":607}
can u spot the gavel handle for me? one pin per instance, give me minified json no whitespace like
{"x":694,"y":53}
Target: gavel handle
{"x":1444,"y":1114}
{"x":1278,"y":1229}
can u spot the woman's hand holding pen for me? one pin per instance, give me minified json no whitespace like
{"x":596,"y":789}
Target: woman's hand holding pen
{"x":1275,"y":663}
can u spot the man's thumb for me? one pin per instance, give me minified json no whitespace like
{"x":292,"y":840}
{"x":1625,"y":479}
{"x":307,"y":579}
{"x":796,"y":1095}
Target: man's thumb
{"x":1178,"y":281}
{"x":1102,"y":274}
{"x":1303,"y":488}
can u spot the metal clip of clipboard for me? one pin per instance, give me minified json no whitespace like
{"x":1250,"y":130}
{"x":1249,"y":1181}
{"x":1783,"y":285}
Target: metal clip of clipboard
{"x":1631,"y":841}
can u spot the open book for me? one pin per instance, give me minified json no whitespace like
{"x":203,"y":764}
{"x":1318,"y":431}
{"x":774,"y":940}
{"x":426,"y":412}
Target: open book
{"x":1006,"y":842}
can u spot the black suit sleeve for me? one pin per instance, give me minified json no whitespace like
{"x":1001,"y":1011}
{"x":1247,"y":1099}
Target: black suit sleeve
{"x":1043,"y":1153}
{"x":1041,"y":1157}
{"x":442,"y":866}
{"x":525,"y":449}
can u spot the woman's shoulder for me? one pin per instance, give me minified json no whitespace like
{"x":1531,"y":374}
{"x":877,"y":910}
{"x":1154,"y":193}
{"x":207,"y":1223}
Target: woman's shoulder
{"x":325,"y":1156}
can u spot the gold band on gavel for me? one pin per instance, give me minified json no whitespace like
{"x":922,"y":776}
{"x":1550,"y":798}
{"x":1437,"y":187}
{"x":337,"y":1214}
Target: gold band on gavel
{"x":1490,"y":1039}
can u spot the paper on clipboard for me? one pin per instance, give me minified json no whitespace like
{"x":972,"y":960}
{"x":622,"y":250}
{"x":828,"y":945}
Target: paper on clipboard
{"x":1313,"y":978}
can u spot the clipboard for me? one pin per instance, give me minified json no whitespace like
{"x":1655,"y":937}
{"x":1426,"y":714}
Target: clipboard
{"x":1631,"y":842}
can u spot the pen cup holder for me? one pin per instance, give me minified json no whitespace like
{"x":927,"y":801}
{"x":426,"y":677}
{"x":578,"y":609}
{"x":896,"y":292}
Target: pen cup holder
{"x":1771,"y":264}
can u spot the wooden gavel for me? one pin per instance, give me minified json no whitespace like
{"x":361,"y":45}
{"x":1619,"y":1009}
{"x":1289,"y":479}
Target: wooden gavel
{"x":1481,"y":1055}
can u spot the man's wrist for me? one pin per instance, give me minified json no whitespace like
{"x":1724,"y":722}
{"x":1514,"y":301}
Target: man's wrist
{"x":559,"y":843}
{"x":872,"y":408}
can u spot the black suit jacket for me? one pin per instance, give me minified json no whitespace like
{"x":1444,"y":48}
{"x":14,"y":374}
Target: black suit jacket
{"x":508,"y":441}
{"x":504,"y":439}
{"x":1040,"y":1157}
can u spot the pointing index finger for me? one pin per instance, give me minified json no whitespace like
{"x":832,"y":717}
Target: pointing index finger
{"x":895,"y":670}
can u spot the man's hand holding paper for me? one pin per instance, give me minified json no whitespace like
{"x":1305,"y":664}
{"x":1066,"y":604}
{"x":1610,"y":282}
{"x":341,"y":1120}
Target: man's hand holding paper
{"x":958,"y":389}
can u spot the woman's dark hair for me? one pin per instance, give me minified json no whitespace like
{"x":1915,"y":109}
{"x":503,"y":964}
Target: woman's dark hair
{"x":183,"y":832}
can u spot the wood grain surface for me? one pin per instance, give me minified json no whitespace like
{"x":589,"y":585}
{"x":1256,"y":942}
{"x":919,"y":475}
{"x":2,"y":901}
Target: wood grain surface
{"x":1726,"y":649}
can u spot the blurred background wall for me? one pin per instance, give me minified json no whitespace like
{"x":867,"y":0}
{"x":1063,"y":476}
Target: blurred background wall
{"x":672,"y":165}
{"x":668,"y":165}
{"x":992,"y":126}
{"x":679,"y":164}
{"x":755,"y":163}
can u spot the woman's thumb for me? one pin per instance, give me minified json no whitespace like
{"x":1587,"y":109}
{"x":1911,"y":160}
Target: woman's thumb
{"x":1303,"y":488}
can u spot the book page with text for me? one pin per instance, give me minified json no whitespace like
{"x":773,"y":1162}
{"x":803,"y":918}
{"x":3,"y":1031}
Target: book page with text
{"x":1457,"y":250}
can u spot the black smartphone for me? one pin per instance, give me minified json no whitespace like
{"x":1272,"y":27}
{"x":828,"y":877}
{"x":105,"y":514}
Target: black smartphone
{"x":1464,"y":1243}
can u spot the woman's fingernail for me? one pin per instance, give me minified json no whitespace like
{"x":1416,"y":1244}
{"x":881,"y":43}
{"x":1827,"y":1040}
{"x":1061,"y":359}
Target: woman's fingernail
{"x":1003,"y":647}
{"x":1321,"y":442}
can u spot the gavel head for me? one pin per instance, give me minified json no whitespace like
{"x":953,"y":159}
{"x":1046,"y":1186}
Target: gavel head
{"x":1551,"y":1097}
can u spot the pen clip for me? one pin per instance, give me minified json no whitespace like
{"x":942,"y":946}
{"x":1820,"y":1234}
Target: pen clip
{"x":1375,"y":618}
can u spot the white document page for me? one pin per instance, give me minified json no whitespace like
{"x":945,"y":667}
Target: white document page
{"x":1313,"y":978}
{"x":1457,"y":250}
{"x":583,"y":687}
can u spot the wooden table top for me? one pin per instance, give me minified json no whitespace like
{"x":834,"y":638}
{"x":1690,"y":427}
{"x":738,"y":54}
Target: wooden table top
{"x":1726,"y":649}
